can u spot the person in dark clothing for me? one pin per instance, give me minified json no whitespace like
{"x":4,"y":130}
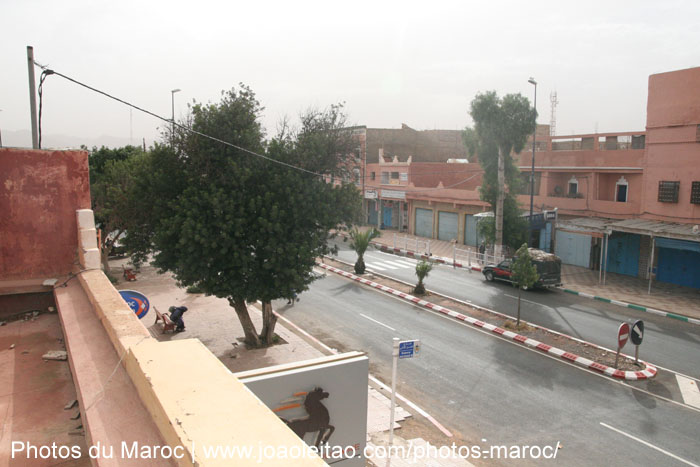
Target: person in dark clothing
{"x":176,"y":313}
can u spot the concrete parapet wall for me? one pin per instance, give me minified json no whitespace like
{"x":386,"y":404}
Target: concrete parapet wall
{"x":193,"y":399}
{"x":120,"y":322}
{"x":196,"y":402}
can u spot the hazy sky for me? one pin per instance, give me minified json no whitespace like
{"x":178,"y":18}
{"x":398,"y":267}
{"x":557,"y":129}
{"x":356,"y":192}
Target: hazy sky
{"x":419,"y":63}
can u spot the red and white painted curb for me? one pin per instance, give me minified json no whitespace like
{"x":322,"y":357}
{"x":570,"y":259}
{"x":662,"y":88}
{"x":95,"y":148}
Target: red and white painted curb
{"x":648,"y":372}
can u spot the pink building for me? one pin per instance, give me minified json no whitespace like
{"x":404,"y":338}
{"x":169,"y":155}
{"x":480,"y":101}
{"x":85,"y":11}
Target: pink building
{"x":627,"y":200}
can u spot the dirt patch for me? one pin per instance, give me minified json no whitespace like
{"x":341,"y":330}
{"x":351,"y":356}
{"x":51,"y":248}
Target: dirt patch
{"x":540,"y":334}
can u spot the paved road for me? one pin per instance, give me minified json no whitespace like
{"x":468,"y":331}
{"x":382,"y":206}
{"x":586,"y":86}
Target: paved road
{"x":485,"y":387}
{"x":668,"y":343}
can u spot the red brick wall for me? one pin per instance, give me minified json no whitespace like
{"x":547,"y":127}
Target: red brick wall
{"x":39,"y":194}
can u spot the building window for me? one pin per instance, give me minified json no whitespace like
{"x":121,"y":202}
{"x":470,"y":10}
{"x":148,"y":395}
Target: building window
{"x":357,"y":175}
{"x":404,"y":177}
{"x":394,"y":175}
{"x":573,"y":187}
{"x":385,"y":178}
{"x":668,"y":191}
{"x":695,"y":193}
{"x":373,"y":176}
{"x":621,"y":190}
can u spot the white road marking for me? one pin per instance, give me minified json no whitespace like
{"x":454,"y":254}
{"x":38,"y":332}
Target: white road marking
{"x":689,"y":390}
{"x":649,"y":444}
{"x":374,"y":320}
{"x":382,"y":264}
{"x":396,"y":263}
{"x":375,"y":266}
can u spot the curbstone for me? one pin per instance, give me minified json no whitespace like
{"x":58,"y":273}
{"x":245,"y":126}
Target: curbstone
{"x":649,"y":371}
{"x":666,"y":314}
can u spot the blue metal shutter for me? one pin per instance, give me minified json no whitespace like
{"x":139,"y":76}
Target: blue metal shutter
{"x":623,"y":254}
{"x":448,"y":225}
{"x":681,"y":267}
{"x":573,"y":248}
{"x":470,"y":230}
{"x":424,"y":223}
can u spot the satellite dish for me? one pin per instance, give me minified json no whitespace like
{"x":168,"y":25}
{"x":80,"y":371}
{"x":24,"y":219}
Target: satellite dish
{"x":696,"y":229}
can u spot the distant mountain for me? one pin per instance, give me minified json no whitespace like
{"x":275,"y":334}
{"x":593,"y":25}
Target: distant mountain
{"x":23,"y":139}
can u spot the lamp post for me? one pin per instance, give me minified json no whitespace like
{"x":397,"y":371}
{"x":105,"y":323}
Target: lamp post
{"x":532,"y":172}
{"x":172,"y":95}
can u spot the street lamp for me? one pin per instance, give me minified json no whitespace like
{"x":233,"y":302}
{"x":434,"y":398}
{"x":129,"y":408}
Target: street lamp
{"x":532,"y":172}
{"x":172,"y":95}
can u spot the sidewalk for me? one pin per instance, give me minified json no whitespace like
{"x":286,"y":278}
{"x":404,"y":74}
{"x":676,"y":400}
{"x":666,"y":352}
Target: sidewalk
{"x":214,"y":322}
{"x":664,"y":297}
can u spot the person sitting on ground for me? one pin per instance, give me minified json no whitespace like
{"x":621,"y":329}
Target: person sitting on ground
{"x":176,"y":313}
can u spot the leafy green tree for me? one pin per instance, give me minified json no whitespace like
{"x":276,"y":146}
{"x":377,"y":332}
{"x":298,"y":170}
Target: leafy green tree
{"x":360,"y":241}
{"x":239,"y":226}
{"x":501,"y":128}
{"x":524,"y":273}
{"x":112,"y":179}
{"x":422,"y":270}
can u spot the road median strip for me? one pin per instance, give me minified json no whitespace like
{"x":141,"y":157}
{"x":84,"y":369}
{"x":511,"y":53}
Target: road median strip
{"x":649,"y":371}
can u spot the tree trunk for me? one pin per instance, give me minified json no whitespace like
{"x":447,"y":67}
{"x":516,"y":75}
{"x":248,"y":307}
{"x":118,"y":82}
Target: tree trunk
{"x":104,"y":255}
{"x":517,"y":323}
{"x":498,"y":247}
{"x":360,"y":265}
{"x":269,"y":320}
{"x":251,"y":336}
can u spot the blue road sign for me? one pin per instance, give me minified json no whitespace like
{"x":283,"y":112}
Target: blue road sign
{"x":409,"y":349}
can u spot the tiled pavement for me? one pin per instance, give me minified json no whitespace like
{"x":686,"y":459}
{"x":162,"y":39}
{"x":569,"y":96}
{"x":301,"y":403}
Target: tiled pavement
{"x":666,"y":297}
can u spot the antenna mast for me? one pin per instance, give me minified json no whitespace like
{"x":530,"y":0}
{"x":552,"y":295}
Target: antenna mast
{"x":553,"y":118}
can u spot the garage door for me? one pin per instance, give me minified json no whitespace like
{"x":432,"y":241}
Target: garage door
{"x":424,"y":222}
{"x":679,"y":267}
{"x":623,"y":253}
{"x":573,"y":248}
{"x":447,"y":225}
{"x":679,"y":262}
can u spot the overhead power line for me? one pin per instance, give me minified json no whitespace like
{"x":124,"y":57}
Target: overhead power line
{"x":47,"y":71}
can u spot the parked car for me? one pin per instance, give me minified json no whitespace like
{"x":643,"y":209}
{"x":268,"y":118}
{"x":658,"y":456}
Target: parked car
{"x":548,"y":268}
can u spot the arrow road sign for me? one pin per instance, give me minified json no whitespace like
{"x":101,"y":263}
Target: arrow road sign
{"x":637,"y":333}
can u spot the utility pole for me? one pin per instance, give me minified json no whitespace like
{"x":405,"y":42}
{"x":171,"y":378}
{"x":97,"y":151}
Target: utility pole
{"x":172,"y":130}
{"x":532,"y":172}
{"x":498,"y":247}
{"x":32,"y":96}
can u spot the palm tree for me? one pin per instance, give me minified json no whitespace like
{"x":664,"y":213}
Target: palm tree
{"x":422,"y":270}
{"x":360,"y":243}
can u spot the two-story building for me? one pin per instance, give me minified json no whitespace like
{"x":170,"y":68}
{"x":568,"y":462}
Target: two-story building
{"x":627,"y":200}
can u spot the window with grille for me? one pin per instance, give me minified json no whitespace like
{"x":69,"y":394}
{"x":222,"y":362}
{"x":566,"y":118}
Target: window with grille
{"x":695,"y":193}
{"x":668,"y":192}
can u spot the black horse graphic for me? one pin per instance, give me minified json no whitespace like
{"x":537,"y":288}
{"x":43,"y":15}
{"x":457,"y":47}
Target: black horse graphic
{"x":318,"y":418}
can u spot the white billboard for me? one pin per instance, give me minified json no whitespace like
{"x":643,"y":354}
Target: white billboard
{"x":324,"y":401}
